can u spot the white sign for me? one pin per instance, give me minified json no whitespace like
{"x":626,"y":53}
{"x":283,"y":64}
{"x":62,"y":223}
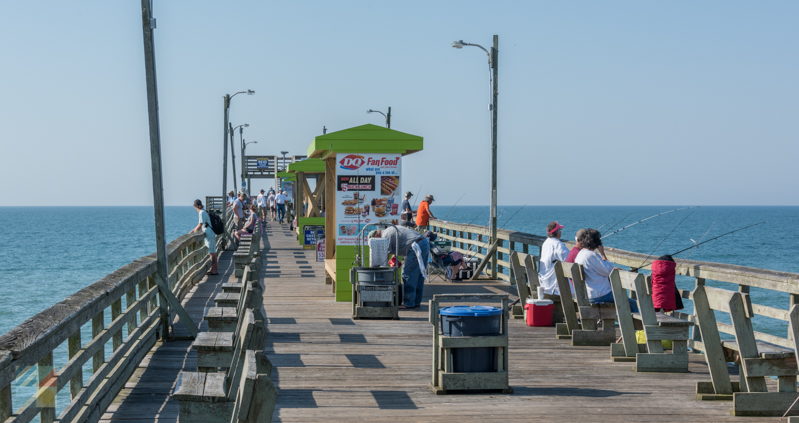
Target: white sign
{"x":367,"y":191}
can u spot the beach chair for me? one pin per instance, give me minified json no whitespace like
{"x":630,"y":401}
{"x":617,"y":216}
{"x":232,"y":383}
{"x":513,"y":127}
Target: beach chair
{"x":522,"y":288}
{"x":588,"y":332}
{"x":649,"y":357}
{"x":757,"y":360}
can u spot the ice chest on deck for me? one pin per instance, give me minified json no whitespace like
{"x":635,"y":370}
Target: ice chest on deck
{"x":539,"y":312}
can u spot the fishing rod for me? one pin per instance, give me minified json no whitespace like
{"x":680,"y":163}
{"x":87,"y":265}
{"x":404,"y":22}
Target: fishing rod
{"x":717,"y":237}
{"x":712,"y":239}
{"x":679,"y":224}
{"x":642,"y":221}
{"x":612,"y":226}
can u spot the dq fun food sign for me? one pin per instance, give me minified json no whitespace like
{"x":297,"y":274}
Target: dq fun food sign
{"x":367,"y":191}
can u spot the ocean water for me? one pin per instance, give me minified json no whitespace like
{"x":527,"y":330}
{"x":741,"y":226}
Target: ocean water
{"x":50,"y":252}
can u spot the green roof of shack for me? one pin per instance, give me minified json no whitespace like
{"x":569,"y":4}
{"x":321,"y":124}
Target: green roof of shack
{"x":365,"y":139}
{"x":308,"y":166}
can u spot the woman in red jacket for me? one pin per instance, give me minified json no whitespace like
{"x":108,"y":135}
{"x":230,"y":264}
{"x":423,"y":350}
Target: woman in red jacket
{"x":664,"y":289}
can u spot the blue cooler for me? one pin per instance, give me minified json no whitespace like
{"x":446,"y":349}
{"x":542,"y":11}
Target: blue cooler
{"x":472,"y":321}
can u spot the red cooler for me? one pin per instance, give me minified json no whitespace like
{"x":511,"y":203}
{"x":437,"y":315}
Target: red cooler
{"x":539,"y":312}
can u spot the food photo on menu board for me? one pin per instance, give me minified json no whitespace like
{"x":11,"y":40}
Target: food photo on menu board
{"x":367,"y":192}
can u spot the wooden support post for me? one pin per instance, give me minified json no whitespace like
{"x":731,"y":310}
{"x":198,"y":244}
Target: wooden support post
{"x":130,"y":298}
{"x":116,"y":311}
{"x":5,"y":402}
{"x":330,"y":208}
{"x":485,"y":260}
{"x":73,"y":348}
{"x":97,"y":327}
{"x":45,"y":397}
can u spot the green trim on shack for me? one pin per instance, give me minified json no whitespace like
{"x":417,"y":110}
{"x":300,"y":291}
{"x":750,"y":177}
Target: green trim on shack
{"x":364,"y":139}
{"x":308,"y":166}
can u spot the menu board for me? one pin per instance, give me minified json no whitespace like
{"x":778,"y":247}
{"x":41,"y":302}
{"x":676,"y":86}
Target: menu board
{"x":367,"y":191}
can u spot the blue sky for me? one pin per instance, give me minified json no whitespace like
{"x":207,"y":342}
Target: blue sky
{"x":624,"y":102}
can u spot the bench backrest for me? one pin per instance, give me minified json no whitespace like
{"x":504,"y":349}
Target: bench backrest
{"x":566,"y":300}
{"x":620,"y":282}
{"x":574,"y":272}
{"x":243,"y":339}
{"x":256,"y":394}
{"x":519,"y":277}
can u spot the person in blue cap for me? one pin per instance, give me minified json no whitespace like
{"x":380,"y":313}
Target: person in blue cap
{"x":415,"y":247}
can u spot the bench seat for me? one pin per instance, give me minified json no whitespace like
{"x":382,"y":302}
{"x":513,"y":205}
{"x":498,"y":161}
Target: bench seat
{"x":221,"y":319}
{"x":667,"y":321}
{"x":764,"y":349}
{"x":232,"y":287}
{"x":227,"y":299}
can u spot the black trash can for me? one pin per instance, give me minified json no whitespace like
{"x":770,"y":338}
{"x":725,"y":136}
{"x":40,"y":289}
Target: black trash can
{"x":472,"y":321}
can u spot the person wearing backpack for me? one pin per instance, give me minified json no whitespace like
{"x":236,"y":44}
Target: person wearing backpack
{"x":204,"y":225}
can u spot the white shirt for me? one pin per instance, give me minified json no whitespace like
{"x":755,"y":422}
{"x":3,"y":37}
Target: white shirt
{"x":596,"y":272}
{"x":271,"y":200}
{"x":552,"y":250}
{"x":261,"y":200}
{"x":280,"y":198}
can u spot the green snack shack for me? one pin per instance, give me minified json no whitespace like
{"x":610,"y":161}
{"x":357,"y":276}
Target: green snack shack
{"x":309,"y":203}
{"x":362,"y":186}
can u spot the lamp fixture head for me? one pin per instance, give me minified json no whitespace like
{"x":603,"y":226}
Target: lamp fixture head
{"x":246,"y":125}
{"x":284,"y":152}
{"x":458,"y":44}
{"x":250,"y":92}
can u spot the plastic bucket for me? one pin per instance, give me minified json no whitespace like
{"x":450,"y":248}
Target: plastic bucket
{"x":375,"y":275}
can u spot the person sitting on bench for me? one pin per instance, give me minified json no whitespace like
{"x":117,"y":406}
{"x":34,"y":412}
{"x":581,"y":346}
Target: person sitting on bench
{"x":249,"y":227}
{"x":596,"y":269}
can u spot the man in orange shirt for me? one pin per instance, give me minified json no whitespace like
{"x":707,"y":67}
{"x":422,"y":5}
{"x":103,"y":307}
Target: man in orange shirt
{"x":423,"y":213}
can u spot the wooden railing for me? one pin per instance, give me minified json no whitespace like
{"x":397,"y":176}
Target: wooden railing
{"x":759,"y":286}
{"x":92,"y":341}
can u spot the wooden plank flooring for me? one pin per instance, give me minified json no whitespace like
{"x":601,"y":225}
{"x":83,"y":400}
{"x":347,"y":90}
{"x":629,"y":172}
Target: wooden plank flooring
{"x":331,"y":368}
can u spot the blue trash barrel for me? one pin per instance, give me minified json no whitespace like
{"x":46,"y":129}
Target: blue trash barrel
{"x":472,"y":321}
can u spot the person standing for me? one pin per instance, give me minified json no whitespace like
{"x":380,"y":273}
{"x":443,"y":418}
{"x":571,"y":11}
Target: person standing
{"x":423,"y":213}
{"x":204,"y":225}
{"x":407,"y":211}
{"x":238,"y":211}
{"x":415,"y":247}
{"x":231,"y":197}
{"x":260,"y":201}
{"x":270,"y":201}
{"x":553,"y":250}
{"x":280,"y":202}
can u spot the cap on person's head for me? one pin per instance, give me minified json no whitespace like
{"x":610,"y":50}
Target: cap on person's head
{"x":554,"y":227}
{"x":432,"y":236}
{"x":409,"y":194}
{"x":429,"y":197}
{"x":262,"y":191}
{"x":198,"y":203}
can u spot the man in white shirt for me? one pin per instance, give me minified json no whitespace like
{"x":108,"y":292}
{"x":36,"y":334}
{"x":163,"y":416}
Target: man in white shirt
{"x":261,"y":203}
{"x":552,"y":251}
{"x":280,"y":201}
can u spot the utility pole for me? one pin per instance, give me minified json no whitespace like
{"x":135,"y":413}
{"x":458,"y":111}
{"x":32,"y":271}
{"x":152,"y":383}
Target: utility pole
{"x":243,"y":162}
{"x":224,"y":155}
{"x":388,"y":118}
{"x":233,"y":157}
{"x":166,"y":297}
{"x":494,"y":94}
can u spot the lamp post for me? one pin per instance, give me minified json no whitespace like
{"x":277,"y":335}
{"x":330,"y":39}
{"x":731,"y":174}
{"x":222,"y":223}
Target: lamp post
{"x":243,"y":150}
{"x":233,"y":156}
{"x":385,"y":115}
{"x":493,"y":64}
{"x":225,"y":128}
{"x":280,"y":180}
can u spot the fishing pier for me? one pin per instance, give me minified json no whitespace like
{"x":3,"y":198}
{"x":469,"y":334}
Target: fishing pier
{"x":101,"y":354}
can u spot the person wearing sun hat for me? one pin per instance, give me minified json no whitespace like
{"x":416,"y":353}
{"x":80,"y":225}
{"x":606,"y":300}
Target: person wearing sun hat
{"x":423,"y":213}
{"x":552,"y":250}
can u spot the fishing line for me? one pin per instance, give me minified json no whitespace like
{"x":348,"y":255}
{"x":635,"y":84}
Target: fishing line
{"x":711,"y":239}
{"x":665,"y":238}
{"x":642,"y":221}
{"x":610,"y":228}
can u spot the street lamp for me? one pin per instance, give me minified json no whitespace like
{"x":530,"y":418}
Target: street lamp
{"x":280,"y":180}
{"x":243,"y":174}
{"x":493,"y":59}
{"x":233,"y":156}
{"x":387,"y":116}
{"x":225,"y":128}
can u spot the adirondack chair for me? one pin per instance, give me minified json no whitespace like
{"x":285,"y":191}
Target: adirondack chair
{"x":588,"y":332}
{"x":649,"y":357}
{"x":757,"y":360}
{"x":208,"y":397}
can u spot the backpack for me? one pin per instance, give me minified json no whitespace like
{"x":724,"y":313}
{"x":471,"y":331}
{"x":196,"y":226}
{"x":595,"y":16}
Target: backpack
{"x":216,"y":223}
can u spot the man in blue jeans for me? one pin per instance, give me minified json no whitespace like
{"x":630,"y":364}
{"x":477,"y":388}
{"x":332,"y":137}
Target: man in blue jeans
{"x":280,"y":200}
{"x":406,"y":242}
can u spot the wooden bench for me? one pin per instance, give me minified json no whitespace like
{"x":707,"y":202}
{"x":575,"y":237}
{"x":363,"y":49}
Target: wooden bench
{"x":649,"y":357}
{"x":523,"y":288}
{"x":247,"y":249}
{"x":215,"y":348}
{"x":232,"y":298}
{"x":588,"y":332}
{"x":209,"y":397}
{"x":757,"y":360}
{"x":225,"y":319}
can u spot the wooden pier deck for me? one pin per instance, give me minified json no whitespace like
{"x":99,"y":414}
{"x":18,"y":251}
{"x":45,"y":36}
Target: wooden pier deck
{"x":330,"y":368}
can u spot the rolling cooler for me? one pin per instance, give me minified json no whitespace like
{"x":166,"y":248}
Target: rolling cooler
{"x":375,"y":292}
